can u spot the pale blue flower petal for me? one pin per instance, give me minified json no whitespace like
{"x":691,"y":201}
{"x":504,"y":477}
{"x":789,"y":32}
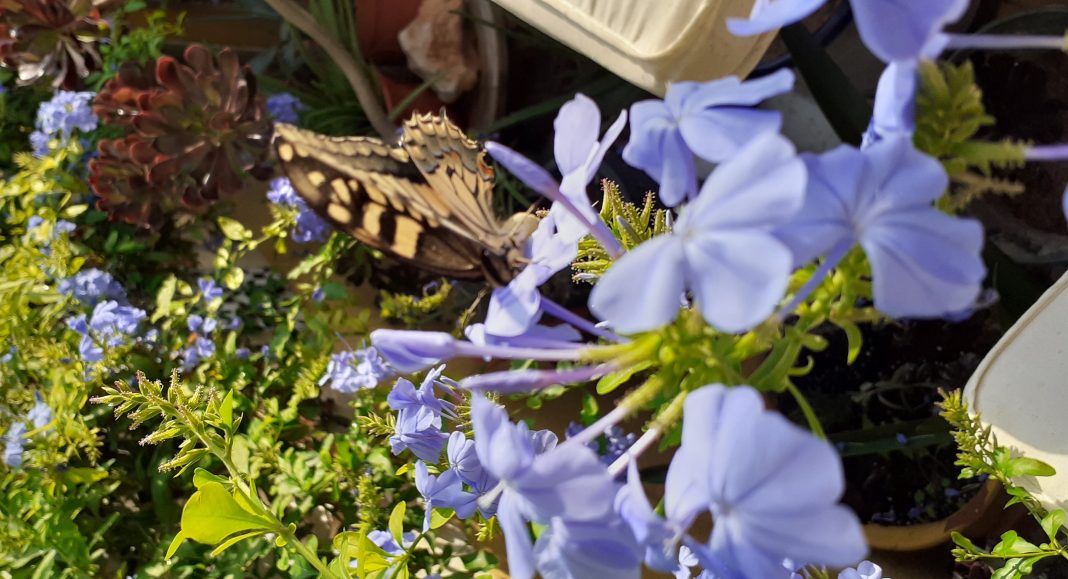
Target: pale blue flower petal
{"x":644,"y":289}
{"x":894,"y":114}
{"x":925,"y":264}
{"x":503,"y":449}
{"x":768,"y":15}
{"x":866,"y":570}
{"x":584,"y":550}
{"x":567,"y":481}
{"x":738,"y":277}
{"x":514,"y":308}
{"x":516,"y":539}
{"x":576,"y":127}
{"x":895,"y":30}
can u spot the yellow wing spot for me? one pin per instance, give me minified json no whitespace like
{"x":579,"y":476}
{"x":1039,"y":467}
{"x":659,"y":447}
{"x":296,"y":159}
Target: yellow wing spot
{"x":301,"y":151}
{"x":406,"y":238}
{"x":341,"y":190}
{"x":285,"y":152}
{"x":316,"y":178}
{"x":372,"y":219}
{"x":339,"y":213}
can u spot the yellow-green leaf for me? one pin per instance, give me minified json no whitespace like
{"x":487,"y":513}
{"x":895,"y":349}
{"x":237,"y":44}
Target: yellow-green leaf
{"x":439,"y":517}
{"x":233,"y":229}
{"x":226,"y":409}
{"x":396,"y":522}
{"x":212,"y":515}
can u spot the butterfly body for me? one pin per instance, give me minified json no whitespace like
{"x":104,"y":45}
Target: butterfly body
{"x":427,"y":200}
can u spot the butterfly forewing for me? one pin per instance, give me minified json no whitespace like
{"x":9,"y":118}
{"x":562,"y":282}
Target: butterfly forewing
{"x":434,"y":211}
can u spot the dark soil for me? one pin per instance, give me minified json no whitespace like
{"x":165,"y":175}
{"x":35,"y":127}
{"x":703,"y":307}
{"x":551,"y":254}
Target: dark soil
{"x":1027,"y":93}
{"x":880,"y":412}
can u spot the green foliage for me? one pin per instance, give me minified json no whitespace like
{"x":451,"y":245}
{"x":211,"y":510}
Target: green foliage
{"x":629,"y":223}
{"x":979,"y":454}
{"x":949,"y":114}
{"x":138,"y":44}
{"x":412,"y":311}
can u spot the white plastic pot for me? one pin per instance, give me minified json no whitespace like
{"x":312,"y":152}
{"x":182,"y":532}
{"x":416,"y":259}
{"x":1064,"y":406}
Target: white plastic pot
{"x":1021,"y":390}
{"x":650,"y":42}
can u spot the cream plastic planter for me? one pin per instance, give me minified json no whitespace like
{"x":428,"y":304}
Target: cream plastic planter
{"x":650,"y":42}
{"x":1021,"y":390}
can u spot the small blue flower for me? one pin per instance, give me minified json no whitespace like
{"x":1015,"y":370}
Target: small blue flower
{"x":318,"y":295}
{"x":243,"y":353}
{"x":722,"y":248}
{"x":924,"y":263}
{"x":60,"y":117}
{"x":200,"y":325}
{"x":14,"y":441}
{"x":385,"y":541}
{"x":63,"y":226}
{"x":567,"y":481}
{"x":866,"y":570}
{"x":350,"y":371}
{"x":418,"y":429}
{"x":112,"y":322}
{"x":209,"y":289}
{"x":284,"y":107}
{"x":444,"y":491}
{"x":713,"y":120}
{"x":40,"y":415}
{"x":579,"y":549}
{"x":201,"y":349}
{"x":404,"y":395}
{"x":309,"y":226}
{"x":7,"y":357}
{"x":91,"y":285}
{"x":34,"y":222}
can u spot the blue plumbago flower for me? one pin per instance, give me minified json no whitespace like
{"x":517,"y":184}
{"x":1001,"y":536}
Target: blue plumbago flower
{"x":59,"y":117}
{"x":578,"y":549}
{"x":538,"y":336}
{"x":615,"y":442}
{"x":91,"y":285}
{"x":198,"y":324}
{"x":111,"y":323}
{"x":63,"y":226}
{"x":866,"y":570}
{"x":712,"y":120}
{"x":284,"y":108}
{"x":516,"y":307}
{"x":924,"y":263}
{"x":411,"y":351}
{"x":14,"y":441}
{"x":463,"y":459}
{"x":894,"y":114}
{"x":8,"y":356}
{"x":778,"y":503}
{"x":209,"y":289}
{"x":34,"y":222}
{"x":89,"y":351}
{"x":518,"y":381}
{"x":201,"y":349}
{"x":40,"y":415}
{"x":404,"y":395}
{"x":444,"y":491}
{"x":350,"y":371}
{"x":386,"y":542}
{"x":418,"y":429}
{"x":243,"y":353}
{"x":892,"y":30}
{"x":309,"y":227}
{"x":578,"y":156}
{"x":722,"y":248}
{"x":566,"y":481}
{"x":318,"y":295}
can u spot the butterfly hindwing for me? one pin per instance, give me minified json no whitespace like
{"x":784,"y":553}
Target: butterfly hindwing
{"x":376,"y":194}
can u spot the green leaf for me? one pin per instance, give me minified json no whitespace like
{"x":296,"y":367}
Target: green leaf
{"x":1052,"y":523}
{"x":1024,"y":466}
{"x":854,"y":339}
{"x":239,"y":452}
{"x":226,"y":410}
{"x":176,"y":542}
{"x":235,"y":540}
{"x":233,"y":278}
{"x":439,"y":517}
{"x":164,"y":298}
{"x":404,"y":468}
{"x":211,"y":515}
{"x":617,"y":379}
{"x":233,"y":229}
{"x":590,"y":408}
{"x":396,"y":522}
{"x":964,"y":542}
{"x":1012,"y":544}
{"x":202,"y":477}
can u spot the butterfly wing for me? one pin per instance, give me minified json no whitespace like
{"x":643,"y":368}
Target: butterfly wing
{"x":375,"y":193}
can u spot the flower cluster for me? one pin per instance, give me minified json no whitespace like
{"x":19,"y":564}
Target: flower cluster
{"x":284,"y":108}
{"x":15,"y":439}
{"x":60,"y":117}
{"x":307,"y":225}
{"x":350,"y":371}
{"x":108,"y":326}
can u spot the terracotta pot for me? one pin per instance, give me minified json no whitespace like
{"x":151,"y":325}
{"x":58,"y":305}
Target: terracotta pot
{"x":979,"y":516}
{"x":395,"y":92}
{"x":378,"y":22}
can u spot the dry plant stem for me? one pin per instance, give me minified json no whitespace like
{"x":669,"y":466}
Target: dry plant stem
{"x":304,"y":21}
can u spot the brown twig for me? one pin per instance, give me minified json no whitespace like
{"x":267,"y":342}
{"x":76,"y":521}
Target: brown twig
{"x":365,"y":94}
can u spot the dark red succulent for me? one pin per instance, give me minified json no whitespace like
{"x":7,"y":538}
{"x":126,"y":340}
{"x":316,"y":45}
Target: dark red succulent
{"x":198,"y":129}
{"x":51,"y":39}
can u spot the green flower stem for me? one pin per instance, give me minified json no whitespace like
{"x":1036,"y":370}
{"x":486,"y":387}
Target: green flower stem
{"x":806,"y":408}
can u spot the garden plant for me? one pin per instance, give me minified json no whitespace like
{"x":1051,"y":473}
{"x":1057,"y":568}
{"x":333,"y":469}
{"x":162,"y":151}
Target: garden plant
{"x":254,"y":325}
